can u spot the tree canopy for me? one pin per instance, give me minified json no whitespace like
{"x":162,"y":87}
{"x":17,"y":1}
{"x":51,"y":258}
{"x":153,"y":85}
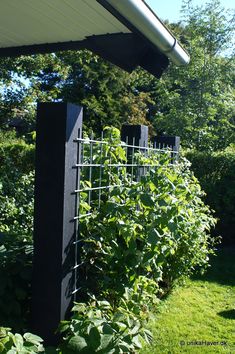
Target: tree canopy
{"x":195,"y":102}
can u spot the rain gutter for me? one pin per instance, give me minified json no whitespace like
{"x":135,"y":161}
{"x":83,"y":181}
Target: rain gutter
{"x":139,"y":15}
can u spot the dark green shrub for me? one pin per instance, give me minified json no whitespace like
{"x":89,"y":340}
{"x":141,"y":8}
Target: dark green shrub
{"x":16,"y":188}
{"x":157,"y":228}
{"x":15,"y":282}
{"x":17,"y":344}
{"x":16,"y":224}
{"x":16,"y":205}
{"x":216,"y":173}
{"x":144,"y":236}
{"x":96,"y":327}
{"x":16,"y":155}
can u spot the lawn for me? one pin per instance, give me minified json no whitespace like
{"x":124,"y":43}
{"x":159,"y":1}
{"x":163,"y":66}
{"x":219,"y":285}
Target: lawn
{"x":200,"y":316}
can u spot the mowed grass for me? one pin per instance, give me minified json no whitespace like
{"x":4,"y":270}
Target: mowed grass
{"x":200,"y":316}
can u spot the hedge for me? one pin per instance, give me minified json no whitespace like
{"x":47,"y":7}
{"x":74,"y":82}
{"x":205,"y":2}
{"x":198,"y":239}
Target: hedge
{"x":216,"y":173}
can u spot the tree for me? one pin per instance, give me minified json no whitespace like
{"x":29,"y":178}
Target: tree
{"x":102,"y":88}
{"x":79,"y":77}
{"x":18,"y":91}
{"x":196,"y":102}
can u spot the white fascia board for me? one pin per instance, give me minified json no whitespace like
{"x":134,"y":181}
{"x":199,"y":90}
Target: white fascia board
{"x":145,"y":21}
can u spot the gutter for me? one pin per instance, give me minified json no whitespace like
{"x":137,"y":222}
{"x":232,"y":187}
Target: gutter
{"x":137,"y":13}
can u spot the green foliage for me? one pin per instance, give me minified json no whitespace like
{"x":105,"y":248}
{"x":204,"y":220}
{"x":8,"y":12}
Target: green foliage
{"x":19,"y":87}
{"x":17,"y":344}
{"x":16,"y":223}
{"x":16,"y":206}
{"x":194,"y":102}
{"x":216,"y":173}
{"x":103,"y":89}
{"x":16,"y":186}
{"x":15,"y":284}
{"x":97,"y":328}
{"x":15,"y":155}
{"x":155,"y":228}
{"x":143,"y":236}
{"x":75,"y":76}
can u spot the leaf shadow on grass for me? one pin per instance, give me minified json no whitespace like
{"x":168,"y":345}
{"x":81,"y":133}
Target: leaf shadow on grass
{"x":222,"y":268}
{"x":229,"y":314}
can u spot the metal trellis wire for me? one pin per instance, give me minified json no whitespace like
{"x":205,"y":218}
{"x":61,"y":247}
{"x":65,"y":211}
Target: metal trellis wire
{"x":95,"y":166}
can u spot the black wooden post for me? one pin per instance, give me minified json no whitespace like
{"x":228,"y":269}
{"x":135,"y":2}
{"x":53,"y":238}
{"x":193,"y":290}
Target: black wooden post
{"x":58,"y":125}
{"x":173,"y":142}
{"x":135,"y":135}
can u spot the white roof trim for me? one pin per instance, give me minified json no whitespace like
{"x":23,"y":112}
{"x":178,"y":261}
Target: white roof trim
{"x":32,"y":22}
{"x":33,"y":26}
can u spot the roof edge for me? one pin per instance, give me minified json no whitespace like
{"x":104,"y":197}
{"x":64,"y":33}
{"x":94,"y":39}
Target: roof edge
{"x":140,"y":17}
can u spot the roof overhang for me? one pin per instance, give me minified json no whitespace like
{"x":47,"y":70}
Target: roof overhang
{"x":126,"y":32}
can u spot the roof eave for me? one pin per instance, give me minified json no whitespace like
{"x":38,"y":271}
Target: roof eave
{"x":140,"y":18}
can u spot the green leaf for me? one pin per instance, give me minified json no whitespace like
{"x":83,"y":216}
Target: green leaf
{"x":108,"y":329}
{"x":154,"y":237}
{"x":122,"y":326}
{"x":125,"y":347}
{"x":2,"y":347}
{"x":12,"y":351}
{"x":172,"y":226}
{"x":77,"y":343}
{"x":104,"y":304}
{"x":146,"y":200}
{"x":4,"y":331}
{"x":85,"y":206}
{"x":18,"y":341}
{"x":94,"y":338}
{"x":63,"y":326}
{"x":147,"y":336}
{"x":152,"y":186}
{"x":32,"y":338}
{"x":136,"y":342}
{"x":106,"y":341}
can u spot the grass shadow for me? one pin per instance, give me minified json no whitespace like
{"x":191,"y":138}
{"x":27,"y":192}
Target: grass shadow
{"x":228,"y":314}
{"x":222,"y":268}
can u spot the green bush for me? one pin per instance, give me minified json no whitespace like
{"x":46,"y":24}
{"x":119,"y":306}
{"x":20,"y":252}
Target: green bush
{"x":157,"y":227}
{"x":15,"y":282}
{"x":96,"y":327}
{"x":17,"y":344}
{"x":216,"y":173}
{"x":142,"y":237}
{"x":16,"y":155}
{"x":16,"y":205}
{"x":16,"y":224}
{"x":16,"y":187}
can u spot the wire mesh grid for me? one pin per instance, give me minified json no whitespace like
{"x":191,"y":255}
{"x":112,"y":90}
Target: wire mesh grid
{"x":103,"y":165}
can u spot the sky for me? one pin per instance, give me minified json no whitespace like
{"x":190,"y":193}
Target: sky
{"x":170,"y":9}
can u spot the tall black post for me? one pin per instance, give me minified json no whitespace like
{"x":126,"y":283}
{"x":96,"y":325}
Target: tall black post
{"x":173,"y":142}
{"x":135,"y":135}
{"x":58,"y":125}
